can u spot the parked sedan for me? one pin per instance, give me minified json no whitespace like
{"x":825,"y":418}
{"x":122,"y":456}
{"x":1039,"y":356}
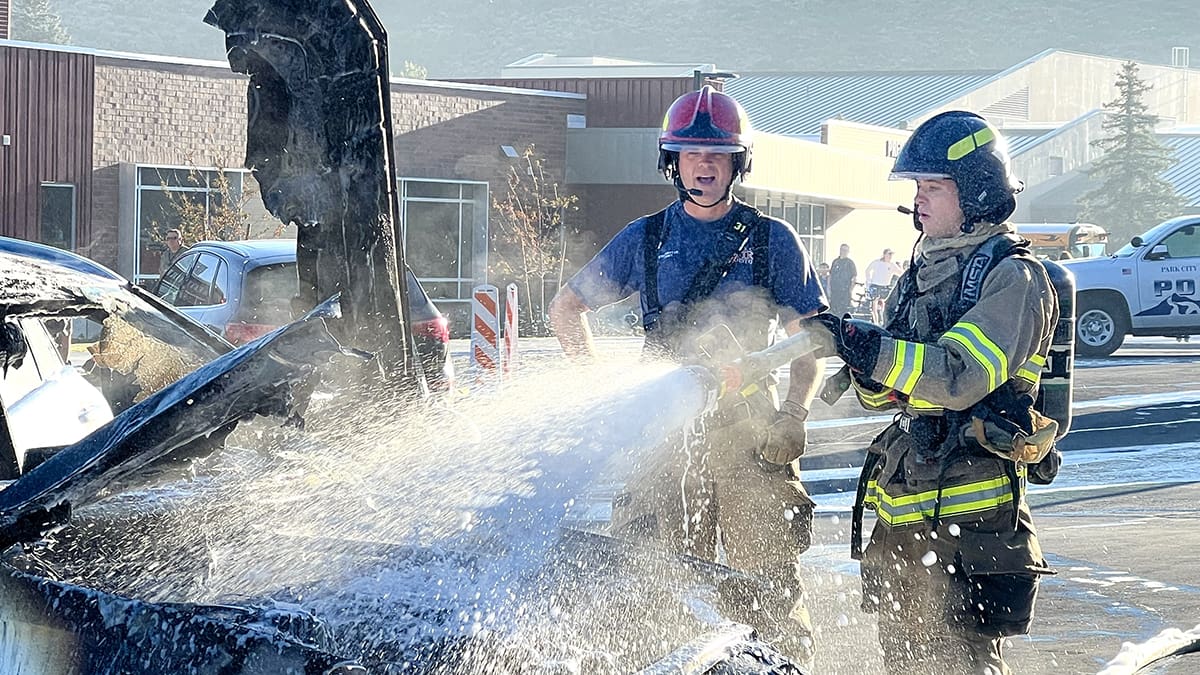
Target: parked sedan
{"x":243,"y":289}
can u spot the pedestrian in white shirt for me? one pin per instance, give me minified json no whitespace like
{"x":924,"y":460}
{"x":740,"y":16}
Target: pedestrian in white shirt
{"x":880,"y":276}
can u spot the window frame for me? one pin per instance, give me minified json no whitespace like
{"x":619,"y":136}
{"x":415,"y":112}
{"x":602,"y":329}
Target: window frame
{"x":478,"y":195}
{"x":208,"y":189}
{"x":74,"y":224}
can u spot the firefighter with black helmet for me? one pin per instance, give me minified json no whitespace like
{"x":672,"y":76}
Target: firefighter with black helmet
{"x":953,"y":563}
{"x":710,"y":265}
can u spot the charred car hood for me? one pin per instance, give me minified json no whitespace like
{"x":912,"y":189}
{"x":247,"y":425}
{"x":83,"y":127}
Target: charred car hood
{"x":192,"y":416}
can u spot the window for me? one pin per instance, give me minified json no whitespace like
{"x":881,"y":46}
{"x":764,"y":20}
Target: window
{"x":163,"y":194}
{"x":808,"y":219}
{"x":267,"y":294}
{"x":444,"y":225}
{"x":1055,"y":165}
{"x":174,"y":277}
{"x":57,"y":225}
{"x":1184,"y":243}
{"x":197,"y":288}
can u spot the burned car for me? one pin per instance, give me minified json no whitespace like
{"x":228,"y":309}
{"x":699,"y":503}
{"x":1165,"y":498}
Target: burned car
{"x":151,"y":393}
{"x":152,"y":522}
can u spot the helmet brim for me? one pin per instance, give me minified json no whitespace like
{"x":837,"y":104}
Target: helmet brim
{"x":701,"y":147}
{"x":918,"y":175}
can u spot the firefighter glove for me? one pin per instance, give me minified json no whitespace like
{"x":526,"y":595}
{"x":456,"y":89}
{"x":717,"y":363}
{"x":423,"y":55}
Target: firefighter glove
{"x":786,"y":436}
{"x":857,"y":342}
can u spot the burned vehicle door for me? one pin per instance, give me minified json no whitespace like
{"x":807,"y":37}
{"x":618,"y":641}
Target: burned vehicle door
{"x":47,"y":402}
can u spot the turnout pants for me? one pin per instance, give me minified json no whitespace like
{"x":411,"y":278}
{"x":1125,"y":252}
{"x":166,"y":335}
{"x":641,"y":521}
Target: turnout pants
{"x":925,"y":617}
{"x":708,"y":497}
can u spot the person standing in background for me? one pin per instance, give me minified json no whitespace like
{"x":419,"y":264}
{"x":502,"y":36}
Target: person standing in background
{"x":843,"y":274}
{"x":174,"y":248}
{"x":881,"y":274}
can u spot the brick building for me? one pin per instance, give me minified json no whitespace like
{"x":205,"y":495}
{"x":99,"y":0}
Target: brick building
{"x":96,"y":144}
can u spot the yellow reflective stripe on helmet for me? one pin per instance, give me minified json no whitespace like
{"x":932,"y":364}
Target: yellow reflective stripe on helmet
{"x":991,"y":357}
{"x":967,"y":145}
{"x":984,"y":136}
{"x":1031,"y":372}
{"x":907,"y":364}
{"x":955,"y":500}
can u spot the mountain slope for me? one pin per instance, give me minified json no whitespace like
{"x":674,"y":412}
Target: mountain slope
{"x":477,"y":37}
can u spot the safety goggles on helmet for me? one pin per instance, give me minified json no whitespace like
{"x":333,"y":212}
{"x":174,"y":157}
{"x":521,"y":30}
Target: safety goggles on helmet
{"x":918,"y":175}
{"x":695,"y":147}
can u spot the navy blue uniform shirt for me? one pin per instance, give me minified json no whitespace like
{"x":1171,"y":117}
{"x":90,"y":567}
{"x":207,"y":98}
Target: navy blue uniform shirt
{"x":618,"y":270}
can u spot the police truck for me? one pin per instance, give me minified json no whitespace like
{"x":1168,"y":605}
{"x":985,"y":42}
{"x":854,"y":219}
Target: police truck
{"x":1148,"y":287}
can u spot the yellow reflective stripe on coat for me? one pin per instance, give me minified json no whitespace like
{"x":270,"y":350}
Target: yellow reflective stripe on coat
{"x":991,"y":357}
{"x":967,"y":144}
{"x":955,"y":500}
{"x":1031,"y":372}
{"x":872,"y":399}
{"x":923,"y":406}
{"x":907,"y":362}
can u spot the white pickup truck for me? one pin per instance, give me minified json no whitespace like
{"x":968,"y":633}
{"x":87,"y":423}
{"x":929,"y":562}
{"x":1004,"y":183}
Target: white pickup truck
{"x":1146,"y":288}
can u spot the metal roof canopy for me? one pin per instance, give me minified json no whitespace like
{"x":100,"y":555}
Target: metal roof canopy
{"x":797,"y":104}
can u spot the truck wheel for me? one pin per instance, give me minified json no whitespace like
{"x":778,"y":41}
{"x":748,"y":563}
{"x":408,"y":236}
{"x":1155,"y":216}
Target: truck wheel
{"x":1099,"y":329}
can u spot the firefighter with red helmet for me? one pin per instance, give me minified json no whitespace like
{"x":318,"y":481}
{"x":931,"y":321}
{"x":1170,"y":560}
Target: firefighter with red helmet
{"x":711,"y":265}
{"x":954,"y":563}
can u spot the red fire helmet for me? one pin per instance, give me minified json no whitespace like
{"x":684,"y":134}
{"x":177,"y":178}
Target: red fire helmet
{"x":705,"y":120}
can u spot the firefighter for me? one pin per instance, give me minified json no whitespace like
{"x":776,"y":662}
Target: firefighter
{"x":715,"y":276}
{"x":953,"y":563}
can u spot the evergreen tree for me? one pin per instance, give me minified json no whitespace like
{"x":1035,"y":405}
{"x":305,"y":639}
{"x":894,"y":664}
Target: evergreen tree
{"x":1132,"y":195}
{"x":35,"y":21}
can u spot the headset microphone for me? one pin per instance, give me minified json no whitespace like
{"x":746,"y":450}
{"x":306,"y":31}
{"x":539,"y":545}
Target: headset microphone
{"x":905,"y":210}
{"x":694,"y":192}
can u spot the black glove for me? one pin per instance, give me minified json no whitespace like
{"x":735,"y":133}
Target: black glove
{"x":786,"y":436}
{"x":856,"y":341}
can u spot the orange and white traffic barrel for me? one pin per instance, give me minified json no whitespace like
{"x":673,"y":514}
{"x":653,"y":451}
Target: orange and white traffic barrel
{"x":485,"y":332}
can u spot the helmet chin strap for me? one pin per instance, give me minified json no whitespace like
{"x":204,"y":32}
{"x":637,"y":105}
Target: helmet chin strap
{"x":689,"y":194}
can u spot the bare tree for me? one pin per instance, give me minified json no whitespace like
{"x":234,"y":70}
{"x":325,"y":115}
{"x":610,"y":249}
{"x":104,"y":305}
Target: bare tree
{"x":217,"y":213}
{"x":532,"y":244}
{"x":36,"y":21}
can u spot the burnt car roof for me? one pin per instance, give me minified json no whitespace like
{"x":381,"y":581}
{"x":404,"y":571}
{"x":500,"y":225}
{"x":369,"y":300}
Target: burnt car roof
{"x":57,"y":256}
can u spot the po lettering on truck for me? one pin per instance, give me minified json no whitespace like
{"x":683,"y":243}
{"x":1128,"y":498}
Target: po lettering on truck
{"x":1180,"y":286}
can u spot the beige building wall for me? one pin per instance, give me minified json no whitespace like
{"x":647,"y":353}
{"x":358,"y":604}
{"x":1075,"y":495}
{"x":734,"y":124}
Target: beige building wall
{"x":1059,"y":86}
{"x":868,"y":232}
{"x":863,"y":138}
{"x":849,"y":174}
